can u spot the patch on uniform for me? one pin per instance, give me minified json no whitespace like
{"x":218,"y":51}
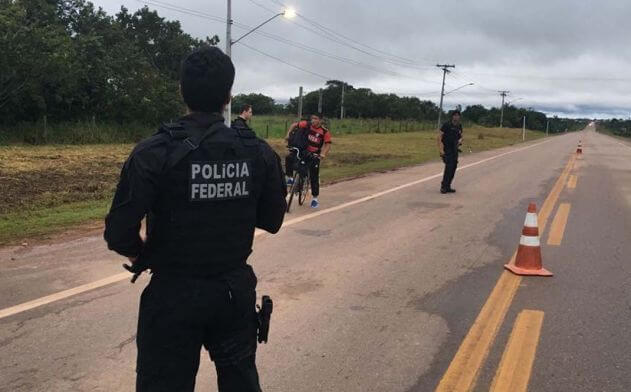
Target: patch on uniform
{"x":210,"y":181}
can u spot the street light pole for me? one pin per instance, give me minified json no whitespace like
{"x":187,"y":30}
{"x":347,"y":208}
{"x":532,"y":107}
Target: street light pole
{"x":289,"y":13}
{"x":228,"y":109}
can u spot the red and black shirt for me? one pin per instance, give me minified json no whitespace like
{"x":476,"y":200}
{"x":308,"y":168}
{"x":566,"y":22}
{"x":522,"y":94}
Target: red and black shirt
{"x":318,"y":137}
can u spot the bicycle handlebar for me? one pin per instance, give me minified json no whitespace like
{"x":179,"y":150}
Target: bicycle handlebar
{"x":297,"y":150}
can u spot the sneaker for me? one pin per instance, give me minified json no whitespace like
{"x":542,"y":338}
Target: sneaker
{"x":289,"y":181}
{"x":443,"y":190}
{"x":315,"y":203}
{"x":451,"y":190}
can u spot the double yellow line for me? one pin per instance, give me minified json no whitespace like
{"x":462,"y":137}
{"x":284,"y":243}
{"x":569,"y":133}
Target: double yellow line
{"x":473,"y":351}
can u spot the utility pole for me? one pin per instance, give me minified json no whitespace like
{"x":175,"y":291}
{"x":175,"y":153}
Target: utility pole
{"x":523,"y":130}
{"x":288,"y":13}
{"x":547,"y":127}
{"x":445,"y":68}
{"x":503,"y":93}
{"x":227,"y":113}
{"x":342,"y":102}
{"x":300,"y":103}
{"x":320,"y":103}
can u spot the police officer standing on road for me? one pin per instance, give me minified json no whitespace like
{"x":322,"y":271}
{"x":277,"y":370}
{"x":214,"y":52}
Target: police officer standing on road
{"x":204,"y":188}
{"x":449,"y":140}
{"x":241,"y":122}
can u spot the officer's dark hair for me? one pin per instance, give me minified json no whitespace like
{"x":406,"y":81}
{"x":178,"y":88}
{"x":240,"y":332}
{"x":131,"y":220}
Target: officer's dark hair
{"x":206,"y":79}
{"x":315,"y":115}
{"x":455,"y":113}
{"x":246,"y":107}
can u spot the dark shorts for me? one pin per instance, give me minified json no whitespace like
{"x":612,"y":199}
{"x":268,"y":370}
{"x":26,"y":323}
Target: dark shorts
{"x":179,"y":315}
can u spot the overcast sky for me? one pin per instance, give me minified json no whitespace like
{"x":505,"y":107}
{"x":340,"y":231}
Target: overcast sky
{"x":571,"y":58}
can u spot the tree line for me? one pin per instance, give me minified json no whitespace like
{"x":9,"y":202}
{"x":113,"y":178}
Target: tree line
{"x":68,"y":61}
{"x":619,"y":127}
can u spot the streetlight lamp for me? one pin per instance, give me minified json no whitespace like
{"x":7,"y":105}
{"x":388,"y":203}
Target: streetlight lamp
{"x":456,"y":89}
{"x":287,"y":13}
{"x":440,"y":109}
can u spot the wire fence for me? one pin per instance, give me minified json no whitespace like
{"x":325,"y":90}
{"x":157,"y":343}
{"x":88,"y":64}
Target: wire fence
{"x":267,"y":127}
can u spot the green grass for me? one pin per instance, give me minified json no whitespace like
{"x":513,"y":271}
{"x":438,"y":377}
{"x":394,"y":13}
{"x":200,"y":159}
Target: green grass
{"x":39,"y":222}
{"x":268,"y":127}
{"x":48,"y":189}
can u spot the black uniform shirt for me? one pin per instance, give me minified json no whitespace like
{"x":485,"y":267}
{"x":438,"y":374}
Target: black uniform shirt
{"x":138,"y":189}
{"x":451,"y":135}
{"x":240,"y":124}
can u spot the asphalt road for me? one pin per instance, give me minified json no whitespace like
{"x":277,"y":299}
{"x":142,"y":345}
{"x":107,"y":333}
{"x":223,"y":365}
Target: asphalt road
{"x":375,"y":293}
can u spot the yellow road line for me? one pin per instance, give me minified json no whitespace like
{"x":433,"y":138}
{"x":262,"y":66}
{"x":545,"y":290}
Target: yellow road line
{"x":515,"y":367}
{"x":571,"y":183}
{"x":558,"y":224}
{"x":463,"y":370}
{"x":465,"y":366}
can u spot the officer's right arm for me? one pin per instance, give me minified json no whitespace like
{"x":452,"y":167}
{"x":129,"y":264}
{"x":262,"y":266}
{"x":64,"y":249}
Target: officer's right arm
{"x":441,"y":146}
{"x":272,"y":204}
{"x":135,"y":193}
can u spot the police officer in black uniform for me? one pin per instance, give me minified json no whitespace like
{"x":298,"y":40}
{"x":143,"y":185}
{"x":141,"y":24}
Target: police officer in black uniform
{"x":449,"y":140}
{"x":241,"y":122}
{"x":203,"y":188}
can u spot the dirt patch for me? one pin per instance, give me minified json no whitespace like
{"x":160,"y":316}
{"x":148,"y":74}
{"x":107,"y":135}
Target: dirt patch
{"x":35,"y":179}
{"x":352,"y":158}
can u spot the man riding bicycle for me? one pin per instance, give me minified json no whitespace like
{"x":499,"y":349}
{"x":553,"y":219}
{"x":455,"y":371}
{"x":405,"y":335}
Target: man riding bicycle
{"x":314,"y":148}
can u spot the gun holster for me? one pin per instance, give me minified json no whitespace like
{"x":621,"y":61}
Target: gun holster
{"x":264,"y":315}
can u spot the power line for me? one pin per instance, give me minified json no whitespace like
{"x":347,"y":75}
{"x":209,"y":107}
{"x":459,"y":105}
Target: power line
{"x":330,"y":35}
{"x":287,"y":63}
{"x":278,"y":38}
{"x":552,"y":78}
{"x":338,"y":34}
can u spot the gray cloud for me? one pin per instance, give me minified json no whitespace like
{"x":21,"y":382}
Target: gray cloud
{"x":562,"y":57}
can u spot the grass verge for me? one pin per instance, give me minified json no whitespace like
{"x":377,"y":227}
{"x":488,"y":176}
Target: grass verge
{"x":49,"y":189}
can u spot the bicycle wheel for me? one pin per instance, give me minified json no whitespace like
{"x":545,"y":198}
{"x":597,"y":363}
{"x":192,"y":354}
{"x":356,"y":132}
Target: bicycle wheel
{"x":294,"y":188}
{"x":304,"y":190}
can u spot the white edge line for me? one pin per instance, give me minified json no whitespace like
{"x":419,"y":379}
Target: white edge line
{"x":23,"y":307}
{"x":62,"y":295}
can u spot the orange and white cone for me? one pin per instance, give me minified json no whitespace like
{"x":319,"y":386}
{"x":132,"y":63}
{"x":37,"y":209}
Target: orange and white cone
{"x":579,"y":149}
{"x":528,"y":258}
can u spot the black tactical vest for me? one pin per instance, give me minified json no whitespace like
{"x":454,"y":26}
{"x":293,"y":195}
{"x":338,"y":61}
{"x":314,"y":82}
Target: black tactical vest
{"x":203,"y":223}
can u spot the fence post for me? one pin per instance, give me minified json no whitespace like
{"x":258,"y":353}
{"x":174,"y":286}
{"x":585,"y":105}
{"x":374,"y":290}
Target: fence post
{"x":45,"y":128}
{"x":378,"y":125}
{"x":267,"y":131}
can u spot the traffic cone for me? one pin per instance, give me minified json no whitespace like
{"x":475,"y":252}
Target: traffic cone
{"x":579,"y":149}
{"x":528,"y":259}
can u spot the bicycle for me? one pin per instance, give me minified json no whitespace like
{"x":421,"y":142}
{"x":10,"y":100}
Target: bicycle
{"x":302,"y":181}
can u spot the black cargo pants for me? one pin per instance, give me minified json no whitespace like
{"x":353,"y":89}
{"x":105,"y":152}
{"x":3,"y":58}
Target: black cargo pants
{"x":451,"y":163}
{"x":179,"y":315}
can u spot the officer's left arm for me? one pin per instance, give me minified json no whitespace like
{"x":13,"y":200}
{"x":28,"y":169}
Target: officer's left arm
{"x":135,"y":194}
{"x":272,"y":204}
